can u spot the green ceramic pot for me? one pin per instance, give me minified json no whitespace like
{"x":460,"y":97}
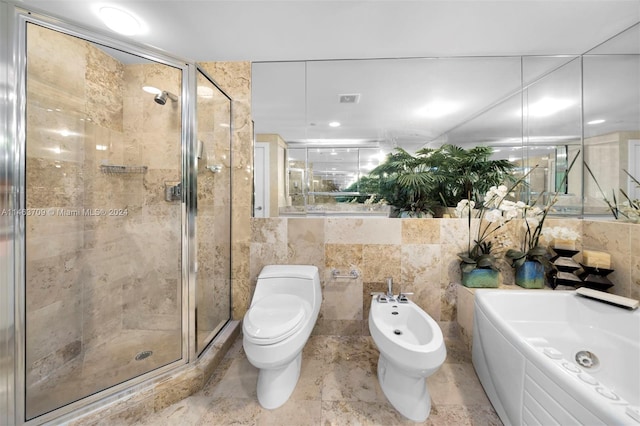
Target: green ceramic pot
{"x":481,"y":278}
{"x":530,"y":275}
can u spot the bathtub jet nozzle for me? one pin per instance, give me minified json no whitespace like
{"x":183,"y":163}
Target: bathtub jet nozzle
{"x":587,"y":359}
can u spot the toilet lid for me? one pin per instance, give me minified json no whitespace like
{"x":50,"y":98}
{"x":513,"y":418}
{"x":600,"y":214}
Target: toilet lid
{"x":274,"y":318}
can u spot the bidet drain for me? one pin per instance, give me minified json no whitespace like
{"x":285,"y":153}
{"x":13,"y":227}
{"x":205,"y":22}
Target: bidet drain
{"x":587,"y":359}
{"x":142,"y":355}
{"x":397,"y":332}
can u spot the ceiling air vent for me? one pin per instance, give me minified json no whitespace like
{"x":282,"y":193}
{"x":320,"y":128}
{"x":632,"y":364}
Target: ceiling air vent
{"x":350,"y":99}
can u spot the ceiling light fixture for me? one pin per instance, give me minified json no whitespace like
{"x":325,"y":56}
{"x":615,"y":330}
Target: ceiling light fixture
{"x":120,"y":21}
{"x":598,"y":121}
{"x":334,"y":124}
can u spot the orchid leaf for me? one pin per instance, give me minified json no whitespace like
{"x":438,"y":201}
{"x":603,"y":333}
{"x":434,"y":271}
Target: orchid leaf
{"x":466,"y":259}
{"x":519,"y":262}
{"x":515,"y":254}
{"x":537,"y":251}
{"x":486,"y":261}
{"x":467,"y":267}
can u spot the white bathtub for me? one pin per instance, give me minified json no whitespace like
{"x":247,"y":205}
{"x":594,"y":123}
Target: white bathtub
{"x":524,"y":351}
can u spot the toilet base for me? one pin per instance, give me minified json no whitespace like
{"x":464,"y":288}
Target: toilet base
{"x":275,"y":386}
{"x":408,"y":394}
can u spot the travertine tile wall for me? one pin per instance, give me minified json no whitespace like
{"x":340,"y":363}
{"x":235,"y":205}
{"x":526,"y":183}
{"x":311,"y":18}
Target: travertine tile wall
{"x":53,"y":280}
{"x":622,"y":241}
{"x":415,"y":252}
{"x":94,"y":276}
{"x":152,"y":138}
{"x":420,"y":254}
{"x":71,"y":257}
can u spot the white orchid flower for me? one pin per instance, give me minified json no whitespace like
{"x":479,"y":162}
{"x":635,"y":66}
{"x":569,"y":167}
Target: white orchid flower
{"x":494,"y":215}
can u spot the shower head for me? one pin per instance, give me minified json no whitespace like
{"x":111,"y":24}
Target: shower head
{"x":161,"y":98}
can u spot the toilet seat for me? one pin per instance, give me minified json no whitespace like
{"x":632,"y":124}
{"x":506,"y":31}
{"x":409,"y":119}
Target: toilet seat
{"x":274,"y":318}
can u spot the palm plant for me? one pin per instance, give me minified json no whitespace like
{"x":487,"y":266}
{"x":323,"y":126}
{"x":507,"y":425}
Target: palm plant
{"x":406,"y":182}
{"x":439,"y":177}
{"x":460,"y":172}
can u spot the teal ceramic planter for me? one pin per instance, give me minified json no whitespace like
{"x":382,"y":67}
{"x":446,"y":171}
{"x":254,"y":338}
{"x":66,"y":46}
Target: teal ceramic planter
{"x":530,"y":275}
{"x":481,"y":278}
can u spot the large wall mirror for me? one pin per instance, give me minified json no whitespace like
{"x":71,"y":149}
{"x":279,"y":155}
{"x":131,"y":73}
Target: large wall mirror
{"x":329,"y":123}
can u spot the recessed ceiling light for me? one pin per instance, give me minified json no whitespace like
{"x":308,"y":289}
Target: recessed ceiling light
{"x":120,"y":21}
{"x":334,"y":124}
{"x":599,"y":121}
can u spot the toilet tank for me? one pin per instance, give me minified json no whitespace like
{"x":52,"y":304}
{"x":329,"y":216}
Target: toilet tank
{"x":300,"y":280}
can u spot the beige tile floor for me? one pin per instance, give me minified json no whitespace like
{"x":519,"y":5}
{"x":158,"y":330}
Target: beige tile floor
{"x":337,"y":386}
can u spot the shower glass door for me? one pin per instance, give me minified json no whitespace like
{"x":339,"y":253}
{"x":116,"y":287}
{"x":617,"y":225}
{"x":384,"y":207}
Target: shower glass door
{"x":213,"y":286}
{"x":103,"y":220}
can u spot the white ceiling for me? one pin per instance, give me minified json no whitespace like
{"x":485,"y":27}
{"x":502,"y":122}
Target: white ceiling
{"x":297,"y":100}
{"x":264,"y":30}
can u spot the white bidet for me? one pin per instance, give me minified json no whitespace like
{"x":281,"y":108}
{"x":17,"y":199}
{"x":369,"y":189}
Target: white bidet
{"x":411,"y":349}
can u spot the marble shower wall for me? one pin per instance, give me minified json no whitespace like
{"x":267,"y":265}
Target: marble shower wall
{"x":420,"y":255}
{"x":152,"y":138}
{"x":60,"y":169}
{"x":84,"y":272}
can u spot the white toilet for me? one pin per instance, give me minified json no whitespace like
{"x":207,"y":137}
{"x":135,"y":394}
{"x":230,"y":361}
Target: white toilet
{"x":411,"y":349}
{"x":276,"y":327}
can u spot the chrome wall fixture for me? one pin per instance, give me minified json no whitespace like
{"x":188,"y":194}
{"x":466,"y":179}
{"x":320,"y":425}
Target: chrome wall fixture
{"x":352,"y":274}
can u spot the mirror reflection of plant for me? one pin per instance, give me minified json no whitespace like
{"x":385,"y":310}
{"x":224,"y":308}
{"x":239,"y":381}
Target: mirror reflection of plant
{"x":441,"y":176}
{"x":460,"y":172}
{"x":629,"y":209}
{"x":406,"y":182}
{"x":367,"y":186}
{"x":534,"y":218}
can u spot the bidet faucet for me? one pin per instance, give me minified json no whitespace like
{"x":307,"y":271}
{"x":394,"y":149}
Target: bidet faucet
{"x":389,"y":287}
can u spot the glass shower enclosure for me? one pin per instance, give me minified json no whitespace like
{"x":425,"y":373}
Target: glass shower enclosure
{"x":121,"y":219}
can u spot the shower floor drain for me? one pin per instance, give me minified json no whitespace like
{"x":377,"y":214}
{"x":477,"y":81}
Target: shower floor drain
{"x":143,"y":355}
